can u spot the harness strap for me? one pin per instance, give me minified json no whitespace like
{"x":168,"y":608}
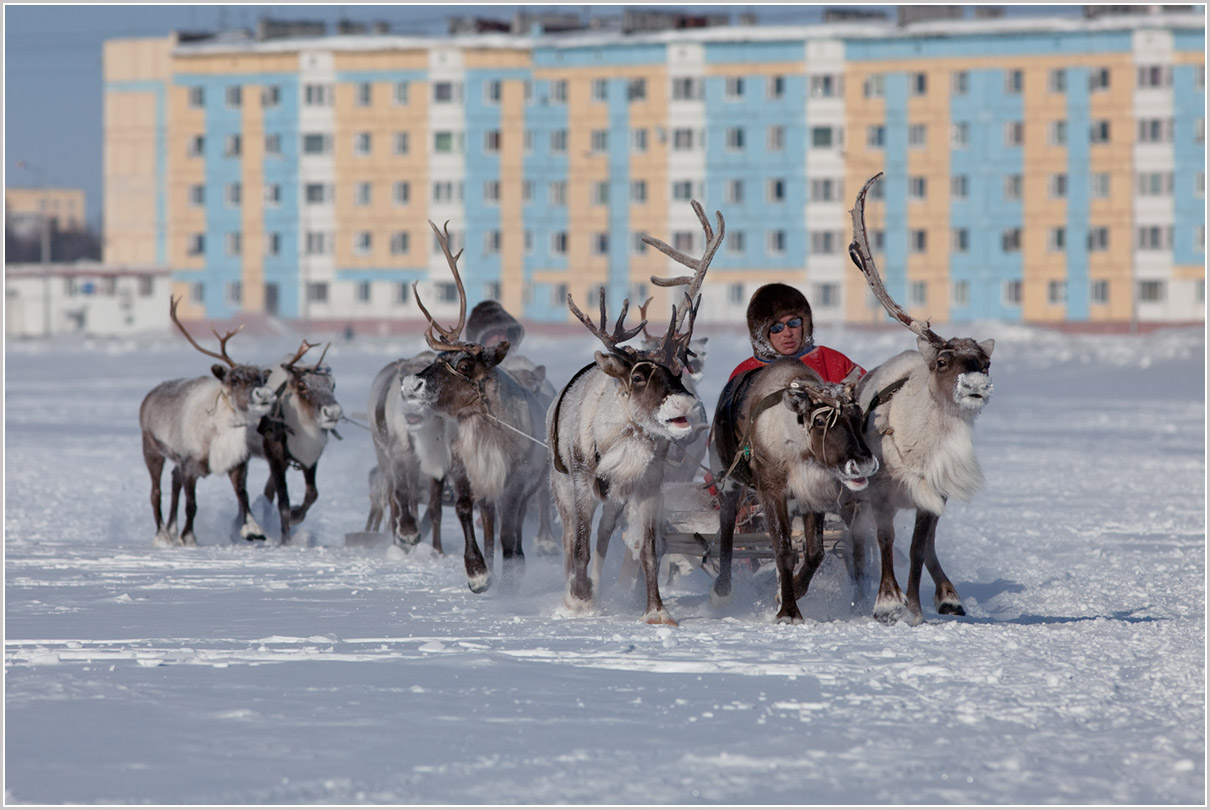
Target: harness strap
{"x":881,"y":398}
{"x":554,"y":449}
{"x":744,"y":450}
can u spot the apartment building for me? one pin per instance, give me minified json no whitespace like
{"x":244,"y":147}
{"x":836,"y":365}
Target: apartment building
{"x":1047,"y":170}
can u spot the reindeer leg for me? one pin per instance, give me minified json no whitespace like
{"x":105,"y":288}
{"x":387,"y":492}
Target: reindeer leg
{"x":248,"y":527}
{"x":611,"y":511}
{"x":812,"y":523}
{"x":275,"y":453}
{"x":728,"y":503}
{"x":487,"y":514}
{"x":545,"y":543}
{"x":645,"y":514}
{"x":190,"y":485}
{"x":299,"y":513}
{"x":925,"y":524}
{"x":155,"y":466}
{"x":579,"y":588}
{"x":403,"y":519}
{"x":512,"y":520}
{"x":478,"y":577}
{"x":946,"y":599}
{"x":436,"y":486}
{"x":889,"y":604}
{"x":777,"y":523}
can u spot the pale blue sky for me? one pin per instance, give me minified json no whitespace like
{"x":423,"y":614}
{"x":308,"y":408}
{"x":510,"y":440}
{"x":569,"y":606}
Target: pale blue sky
{"x":53,"y":77}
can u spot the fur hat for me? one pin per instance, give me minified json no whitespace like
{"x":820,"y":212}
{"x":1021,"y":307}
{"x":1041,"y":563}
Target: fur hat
{"x":768,"y":305}
{"x":488,"y":318}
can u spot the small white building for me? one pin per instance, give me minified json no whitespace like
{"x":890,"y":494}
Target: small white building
{"x":84,"y":298}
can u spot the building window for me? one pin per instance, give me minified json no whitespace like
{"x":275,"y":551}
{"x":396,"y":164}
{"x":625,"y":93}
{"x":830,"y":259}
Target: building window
{"x":401,"y":92}
{"x":918,"y":294}
{"x":361,"y":292}
{"x":822,"y":137}
{"x":1099,"y":182}
{"x":401,"y":143}
{"x":960,"y":83}
{"x":918,"y":240}
{"x":197,"y":97}
{"x":1056,"y":133}
{"x":1010,"y":240}
{"x":735,"y":294}
{"x":446,"y":92}
{"x":273,"y":144}
{"x":558,"y":91}
{"x":824,"y":85}
{"x":775,"y":86}
{"x":1012,"y":293}
{"x":960,"y":135}
{"x":1056,"y":239}
{"x":917,"y":188}
{"x":682,"y":140}
{"x":638,"y":191}
{"x":361,"y":193}
{"x":683,"y":241}
{"x":233,"y":194}
{"x":827,"y":295}
{"x":1155,"y":76}
{"x":637,"y":245}
{"x":317,"y":143}
{"x":776,"y":242}
{"x":491,"y":141}
{"x":1199,"y":185}
{"x":824,"y":190}
{"x":197,"y":146}
{"x":317,"y":95}
{"x":272,"y":195}
{"x":874,"y":86}
{"x":1056,"y":80}
{"x":600,"y":89}
{"x":443,"y":141}
{"x":319,"y":243}
{"x":736,"y":243}
{"x":1155,"y":184}
{"x":686,"y":88}
{"x":735,"y":138}
{"x":317,"y":193}
{"x":491,"y":191}
{"x":600,"y":244}
{"x":1098,"y":239}
{"x":146,"y":286}
{"x":960,"y":185}
{"x":197,"y":195}
{"x":1013,"y":184}
{"x":401,"y":191}
{"x":960,"y":240}
{"x":361,"y":143}
{"x":876,"y":136}
{"x":558,"y":243}
{"x":317,"y":292}
{"x":1098,"y":80}
{"x":234,"y":293}
{"x":775,"y":190}
{"x":1014,"y":81}
{"x":636,"y":90}
{"x":682,"y":190}
{"x":363,"y":243}
{"x":1056,"y":292}
{"x":1014,"y":133}
{"x":558,"y":140}
{"x":196,"y":245}
{"x":600,"y":192}
{"x":363,"y":94}
{"x":960,"y":293}
{"x":1151,"y":292}
{"x":1099,"y":132}
{"x":638,"y":140}
{"x":599,"y":140}
{"x":557,"y":192}
{"x":235,"y":243}
{"x":491,"y":242}
{"x":1154,"y":237}
{"x":1155,"y":130}
{"x":734,"y":88}
{"x":527,"y":191}
{"x":235,"y":96}
{"x":1098,"y":292}
{"x":1056,"y":184}
{"x":231,"y":146}
{"x":492,"y":91}
{"x":443,"y":191}
{"x":824,"y":242}
{"x":776,"y":138}
{"x":733,"y":191}
{"x":919,"y":84}
{"x":273,"y":244}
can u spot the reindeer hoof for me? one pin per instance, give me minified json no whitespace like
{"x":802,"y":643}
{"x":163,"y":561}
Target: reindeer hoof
{"x":479,"y":583}
{"x":573,"y":608}
{"x":546,"y":547}
{"x":661,"y":616}
{"x":948,"y":608}
{"x":406,"y":542}
{"x":718,"y":597}
{"x":789,"y":618}
{"x":188,"y":539}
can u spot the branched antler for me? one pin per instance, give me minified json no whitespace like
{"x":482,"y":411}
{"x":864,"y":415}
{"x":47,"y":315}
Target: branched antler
{"x":449,"y":338}
{"x":863,"y":257}
{"x":303,"y":348}
{"x":222,"y":339}
{"x":619,"y":335}
{"x":699,"y":266}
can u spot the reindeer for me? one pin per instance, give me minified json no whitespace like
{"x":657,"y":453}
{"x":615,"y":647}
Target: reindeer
{"x":786,"y":434}
{"x":412,"y":442}
{"x":496,"y":457}
{"x":921,"y":407}
{"x":610,"y":429}
{"x":201,"y":425}
{"x":295,"y":432}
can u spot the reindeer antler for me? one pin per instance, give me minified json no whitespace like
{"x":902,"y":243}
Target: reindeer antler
{"x":619,"y":335}
{"x":303,"y":348}
{"x":699,"y":266}
{"x":643,"y":314}
{"x":449,"y":337}
{"x":322,"y":355}
{"x":863,"y":257}
{"x":222,"y":339}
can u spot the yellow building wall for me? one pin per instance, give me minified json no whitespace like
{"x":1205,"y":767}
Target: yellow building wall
{"x":861,"y":163}
{"x":512,"y":213}
{"x":252,"y":205}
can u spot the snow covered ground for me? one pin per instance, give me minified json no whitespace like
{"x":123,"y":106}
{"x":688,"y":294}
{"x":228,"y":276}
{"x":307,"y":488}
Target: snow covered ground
{"x":319,"y":673}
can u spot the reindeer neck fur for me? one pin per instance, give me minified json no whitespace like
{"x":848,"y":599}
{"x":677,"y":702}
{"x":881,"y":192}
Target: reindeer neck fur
{"x":489,"y":450}
{"x":926,"y":446}
{"x":625,"y":453}
{"x":305,"y":439}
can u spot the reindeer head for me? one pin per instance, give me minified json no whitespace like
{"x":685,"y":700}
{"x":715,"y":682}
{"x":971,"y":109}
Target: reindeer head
{"x":311,"y":389}
{"x":454,"y":382}
{"x":694,"y":361}
{"x":831,"y":417}
{"x":958,"y":367}
{"x":243,"y":385}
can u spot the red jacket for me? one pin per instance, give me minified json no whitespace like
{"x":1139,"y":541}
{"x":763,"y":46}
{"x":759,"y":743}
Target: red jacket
{"x":829,"y":363}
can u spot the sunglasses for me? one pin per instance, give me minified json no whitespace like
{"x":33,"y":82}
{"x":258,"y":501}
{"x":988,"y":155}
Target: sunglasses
{"x":793,"y":323}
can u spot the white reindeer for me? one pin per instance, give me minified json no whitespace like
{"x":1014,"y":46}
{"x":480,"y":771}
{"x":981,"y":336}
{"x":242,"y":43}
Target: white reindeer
{"x":921,"y":408}
{"x":201,"y":424}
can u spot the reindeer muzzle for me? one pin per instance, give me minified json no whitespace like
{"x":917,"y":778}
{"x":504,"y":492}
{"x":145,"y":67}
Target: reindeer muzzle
{"x":973,"y":390}
{"x":260,"y":400}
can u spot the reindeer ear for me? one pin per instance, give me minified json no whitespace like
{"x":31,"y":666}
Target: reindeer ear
{"x":987,"y":346}
{"x":927,"y":349}
{"x":611,"y":365}
{"x":219,"y":371}
{"x":496,"y":353}
{"x":795,"y":400}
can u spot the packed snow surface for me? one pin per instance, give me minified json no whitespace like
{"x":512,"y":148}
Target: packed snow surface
{"x":324,"y":673}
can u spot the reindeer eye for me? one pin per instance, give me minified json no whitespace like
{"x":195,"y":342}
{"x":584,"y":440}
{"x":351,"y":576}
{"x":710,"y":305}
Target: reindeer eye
{"x":942,"y":362}
{"x":819,"y":421}
{"x":465,"y":366}
{"x":636,"y":378}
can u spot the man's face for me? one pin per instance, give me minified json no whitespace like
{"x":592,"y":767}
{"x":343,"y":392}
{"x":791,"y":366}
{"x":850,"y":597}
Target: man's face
{"x":786,"y":334}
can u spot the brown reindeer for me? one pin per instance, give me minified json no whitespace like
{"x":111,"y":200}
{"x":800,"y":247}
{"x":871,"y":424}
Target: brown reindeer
{"x":296,"y":431}
{"x":785,"y":433}
{"x":921,"y":408}
{"x":610,"y":429}
{"x":497,"y":458}
{"x":201,"y":424}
